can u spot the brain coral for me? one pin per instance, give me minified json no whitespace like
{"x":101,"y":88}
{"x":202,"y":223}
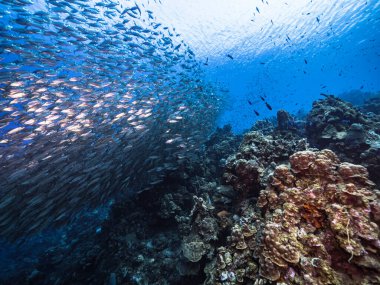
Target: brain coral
{"x":321,"y":223}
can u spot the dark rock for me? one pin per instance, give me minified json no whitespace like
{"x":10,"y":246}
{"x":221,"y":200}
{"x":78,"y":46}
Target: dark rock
{"x":285,"y":122}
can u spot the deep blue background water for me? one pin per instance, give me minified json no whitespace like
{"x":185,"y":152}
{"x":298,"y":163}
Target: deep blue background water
{"x":335,"y":64}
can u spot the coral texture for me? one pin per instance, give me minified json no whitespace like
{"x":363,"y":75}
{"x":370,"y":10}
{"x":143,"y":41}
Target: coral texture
{"x":321,"y":223}
{"x":247,"y":171}
{"x":285,"y":122}
{"x":218,"y":147}
{"x":235,"y":262}
{"x":203,"y":231}
{"x":355,"y":137}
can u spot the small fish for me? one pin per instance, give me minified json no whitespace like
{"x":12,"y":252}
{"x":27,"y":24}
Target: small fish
{"x":262,"y":98}
{"x":268,"y":106}
{"x":230,"y":56}
{"x":206,"y":63}
{"x":177,"y":47}
{"x":257,"y":113}
{"x":326,"y":95}
{"x":123,"y":87}
{"x":249,"y":102}
{"x":318,"y":19}
{"x":305,"y":61}
{"x":257,"y":9}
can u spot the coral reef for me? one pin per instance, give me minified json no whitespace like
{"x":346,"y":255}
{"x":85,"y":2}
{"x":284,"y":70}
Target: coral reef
{"x":321,"y":223}
{"x":285,"y":122}
{"x":271,"y":210}
{"x":234,"y":262}
{"x":219,"y":146}
{"x":248,"y":170}
{"x":162,"y":235}
{"x":371,"y":105}
{"x":266,"y":127}
{"x":282,"y":123}
{"x":330,"y":119}
{"x":355,"y":137}
{"x":317,"y":223}
{"x":204,"y":230}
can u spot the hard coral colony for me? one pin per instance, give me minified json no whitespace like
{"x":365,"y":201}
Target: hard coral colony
{"x":322,"y":222}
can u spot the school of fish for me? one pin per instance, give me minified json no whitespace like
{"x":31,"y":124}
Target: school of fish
{"x":96,"y":98}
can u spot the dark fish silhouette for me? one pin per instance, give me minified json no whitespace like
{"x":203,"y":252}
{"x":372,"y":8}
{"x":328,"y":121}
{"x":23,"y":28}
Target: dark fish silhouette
{"x":257,"y":113}
{"x":268,"y":106}
{"x":326,"y":95}
{"x":249,"y":102}
{"x":230,"y":56}
{"x":305,"y":61}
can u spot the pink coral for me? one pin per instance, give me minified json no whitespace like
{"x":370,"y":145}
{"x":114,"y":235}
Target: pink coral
{"x":321,"y":223}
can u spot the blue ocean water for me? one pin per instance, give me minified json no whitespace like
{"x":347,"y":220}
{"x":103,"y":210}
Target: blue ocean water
{"x":289,"y":55}
{"x":100,"y":100}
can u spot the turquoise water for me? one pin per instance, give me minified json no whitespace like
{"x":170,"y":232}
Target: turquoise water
{"x":100,"y":100}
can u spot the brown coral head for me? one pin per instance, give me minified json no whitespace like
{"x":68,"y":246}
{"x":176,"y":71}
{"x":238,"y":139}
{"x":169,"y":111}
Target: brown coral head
{"x":302,"y":160}
{"x":291,"y":255}
{"x":348,"y":170}
{"x":329,"y":155}
{"x":269,"y":270}
{"x":248,"y":231}
{"x":262,"y":201}
{"x":312,"y":215}
{"x":223,"y":214}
